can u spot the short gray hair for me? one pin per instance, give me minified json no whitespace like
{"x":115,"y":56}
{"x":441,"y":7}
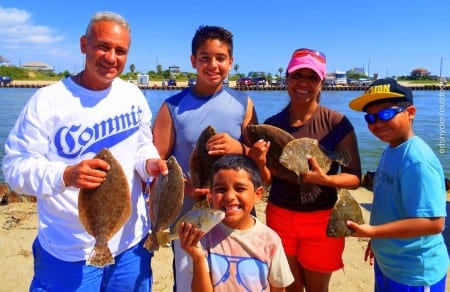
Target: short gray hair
{"x":108,"y":16}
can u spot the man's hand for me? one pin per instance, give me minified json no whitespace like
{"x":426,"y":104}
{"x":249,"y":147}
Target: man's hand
{"x":86,"y":174}
{"x":156,"y":166}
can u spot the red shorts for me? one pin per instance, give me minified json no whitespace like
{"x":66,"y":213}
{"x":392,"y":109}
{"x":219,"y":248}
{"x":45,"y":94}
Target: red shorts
{"x":303,"y":235}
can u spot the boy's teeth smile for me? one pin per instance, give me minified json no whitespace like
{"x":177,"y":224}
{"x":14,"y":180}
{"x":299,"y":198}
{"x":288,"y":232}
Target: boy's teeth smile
{"x":232,"y":207}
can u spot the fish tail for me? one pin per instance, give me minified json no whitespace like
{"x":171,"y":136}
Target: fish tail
{"x":163,"y":238}
{"x":151,"y":243}
{"x":100,"y":256}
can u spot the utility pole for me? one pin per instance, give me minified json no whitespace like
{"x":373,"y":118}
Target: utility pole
{"x":440,"y":69}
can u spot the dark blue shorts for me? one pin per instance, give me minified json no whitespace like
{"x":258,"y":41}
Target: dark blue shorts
{"x":131,"y":272}
{"x":384,"y":284}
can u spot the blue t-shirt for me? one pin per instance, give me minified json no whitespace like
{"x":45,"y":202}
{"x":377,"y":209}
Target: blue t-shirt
{"x":224,"y":111}
{"x":409,"y":183}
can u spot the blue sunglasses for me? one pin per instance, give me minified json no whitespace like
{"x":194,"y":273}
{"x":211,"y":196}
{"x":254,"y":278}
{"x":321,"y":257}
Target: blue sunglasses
{"x":384,"y":115}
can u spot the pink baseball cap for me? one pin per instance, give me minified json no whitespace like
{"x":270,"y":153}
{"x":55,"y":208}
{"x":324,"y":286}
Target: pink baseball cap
{"x":307,"y":58}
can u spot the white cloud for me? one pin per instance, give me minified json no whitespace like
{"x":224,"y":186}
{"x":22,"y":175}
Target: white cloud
{"x":17,"y":30}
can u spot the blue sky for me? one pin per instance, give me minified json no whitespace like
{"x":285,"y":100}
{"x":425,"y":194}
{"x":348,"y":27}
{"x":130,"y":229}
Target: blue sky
{"x":388,"y":38}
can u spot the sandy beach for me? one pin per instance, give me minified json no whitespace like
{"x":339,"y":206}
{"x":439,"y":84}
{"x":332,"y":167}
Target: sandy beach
{"x":18,"y":222}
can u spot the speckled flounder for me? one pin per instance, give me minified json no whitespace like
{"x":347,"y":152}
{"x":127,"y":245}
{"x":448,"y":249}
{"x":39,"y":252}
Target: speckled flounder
{"x":200,"y":162}
{"x":295,"y":157}
{"x":165,"y":201}
{"x":105,"y":209}
{"x":345,"y":208}
{"x":203,"y":218}
{"x":278,"y":139}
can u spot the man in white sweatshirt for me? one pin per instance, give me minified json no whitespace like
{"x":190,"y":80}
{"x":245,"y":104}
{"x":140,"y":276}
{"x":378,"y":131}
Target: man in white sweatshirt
{"x":49,"y":153}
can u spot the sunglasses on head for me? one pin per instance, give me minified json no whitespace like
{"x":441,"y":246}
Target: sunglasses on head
{"x":319,"y":56}
{"x":384,"y":115}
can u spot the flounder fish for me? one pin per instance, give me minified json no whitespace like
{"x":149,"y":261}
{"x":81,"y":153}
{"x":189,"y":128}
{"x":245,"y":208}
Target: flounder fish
{"x":105,"y":209}
{"x":200,"y":164}
{"x":295,"y":158}
{"x":203,"y":218}
{"x":345,"y":208}
{"x":278,"y":140}
{"x":165,"y":201}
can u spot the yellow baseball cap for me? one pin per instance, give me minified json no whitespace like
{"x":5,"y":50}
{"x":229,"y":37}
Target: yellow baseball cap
{"x":381,"y":89}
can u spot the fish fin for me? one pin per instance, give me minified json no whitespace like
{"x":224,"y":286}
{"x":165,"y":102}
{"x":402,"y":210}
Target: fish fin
{"x":187,"y":176}
{"x":343,"y":157}
{"x":100,"y":255}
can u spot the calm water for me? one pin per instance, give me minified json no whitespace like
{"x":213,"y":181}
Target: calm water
{"x":428,"y":124}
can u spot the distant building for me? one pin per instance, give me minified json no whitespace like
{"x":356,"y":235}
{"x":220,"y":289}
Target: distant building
{"x":4,"y":61}
{"x":142,"y":79}
{"x":39,"y":66}
{"x":174,"y":70}
{"x":420,"y":73}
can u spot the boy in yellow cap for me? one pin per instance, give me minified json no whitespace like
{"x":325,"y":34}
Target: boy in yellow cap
{"x":409,"y":203}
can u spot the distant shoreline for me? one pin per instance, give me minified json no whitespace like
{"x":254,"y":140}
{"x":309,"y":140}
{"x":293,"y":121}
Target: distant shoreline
{"x":157,"y":85}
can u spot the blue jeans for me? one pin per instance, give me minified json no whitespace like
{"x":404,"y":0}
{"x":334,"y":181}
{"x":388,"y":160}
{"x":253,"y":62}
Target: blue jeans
{"x":131,"y":272}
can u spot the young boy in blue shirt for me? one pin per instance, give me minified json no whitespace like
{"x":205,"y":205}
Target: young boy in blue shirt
{"x":409,"y":201}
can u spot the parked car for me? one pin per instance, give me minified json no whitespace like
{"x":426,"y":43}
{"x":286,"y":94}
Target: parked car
{"x":244,"y":82}
{"x":259,"y":81}
{"x":192,"y":81}
{"x":281,"y":83}
{"x":172,"y":82}
{"x":364,"y":81}
{"x":225,"y":82}
{"x":352,"y":82}
{"x":5,"y":80}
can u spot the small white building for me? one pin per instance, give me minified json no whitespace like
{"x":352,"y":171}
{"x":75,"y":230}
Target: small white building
{"x":39,"y":66}
{"x":142,"y":79}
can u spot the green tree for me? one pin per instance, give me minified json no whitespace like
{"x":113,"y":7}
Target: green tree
{"x":158,"y":69}
{"x":236,"y":68}
{"x":65,"y":73}
{"x":280,"y":70}
{"x":132,"y":68}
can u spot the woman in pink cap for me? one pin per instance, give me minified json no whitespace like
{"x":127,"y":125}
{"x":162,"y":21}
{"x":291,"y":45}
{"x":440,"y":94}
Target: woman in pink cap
{"x":301,"y":223}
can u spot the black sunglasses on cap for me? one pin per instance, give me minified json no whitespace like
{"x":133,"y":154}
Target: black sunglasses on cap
{"x":384,"y":115}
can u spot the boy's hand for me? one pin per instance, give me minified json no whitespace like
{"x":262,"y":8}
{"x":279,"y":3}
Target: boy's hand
{"x":190,"y":240}
{"x":360,"y":230}
{"x":223,"y":143}
{"x":368,"y":255}
{"x":194,"y":193}
{"x":258,"y":152}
